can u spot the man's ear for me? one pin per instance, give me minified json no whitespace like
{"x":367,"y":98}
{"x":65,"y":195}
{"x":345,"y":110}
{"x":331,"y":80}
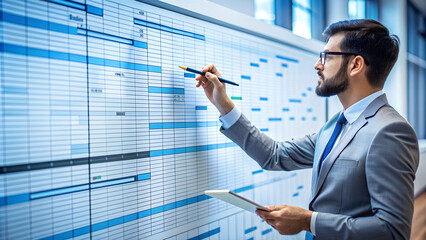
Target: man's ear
{"x":357,"y":65}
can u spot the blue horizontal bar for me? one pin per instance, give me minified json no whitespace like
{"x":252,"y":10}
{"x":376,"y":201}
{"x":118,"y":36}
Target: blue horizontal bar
{"x":263,"y":60}
{"x":169,"y":125}
{"x":95,"y":10}
{"x":296,"y":194}
{"x":168,"y":29}
{"x":245,"y":77}
{"x":295,"y":100}
{"x":15,"y":49}
{"x":257,"y":171}
{"x":300,"y":187}
{"x":60,"y":191}
{"x":263,"y":99}
{"x":292,"y":118}
{"x":189,"y":75}
{"x":264,"y":129}
{"x":255,"y":109}
{"x":156,"y":153}
{"x":79,"y":148}
{"x":140,"y":44}
{"x":284,"y":65}
{"x":287,"y":59}
{"x":206,"y":234}
{"x":15,"y":90}
{"x":159,"y":209}
{"x":309,"y":109}
{"x":309,"y":89}
{"x":303,"y":118}
{"x":279,"y":74}
{"x":286,"y":109}
{"x":314,"y":118}
{"x":200,"y":107}
{"x":69,"y":4}
{"x":266,"y":231}
{"x":166,"y":90}
{"x":14,"y":199}
{"x":249,"y":230}
{"x":144,"y":176}
{"x":254,"y":64}
{"x":105,"y":36}
{"x":275,"y":119}
{"x":304,"y":94}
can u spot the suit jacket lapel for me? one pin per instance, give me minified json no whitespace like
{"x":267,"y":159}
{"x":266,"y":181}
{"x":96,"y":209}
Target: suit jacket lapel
{"x":331,"y":158}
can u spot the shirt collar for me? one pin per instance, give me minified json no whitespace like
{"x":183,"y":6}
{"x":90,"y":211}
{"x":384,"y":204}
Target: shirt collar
{"x":353,"y":112}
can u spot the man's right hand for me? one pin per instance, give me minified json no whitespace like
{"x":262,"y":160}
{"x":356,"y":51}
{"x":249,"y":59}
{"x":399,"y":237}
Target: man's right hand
{"x":215,"y":90}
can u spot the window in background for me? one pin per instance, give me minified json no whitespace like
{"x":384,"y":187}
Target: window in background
{"x":264,"y":10}
{"x":302,"y":14}
{"x":356,"y":9}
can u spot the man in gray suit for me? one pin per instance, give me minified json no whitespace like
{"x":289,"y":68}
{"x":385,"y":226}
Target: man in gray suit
{"x":364,"y":159}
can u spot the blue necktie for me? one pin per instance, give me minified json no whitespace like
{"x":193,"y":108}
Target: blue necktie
{"x":309,"y":236}
{"x":337,"y":129}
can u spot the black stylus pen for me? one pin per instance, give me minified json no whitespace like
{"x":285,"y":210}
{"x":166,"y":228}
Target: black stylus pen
{"x":203,"y":73}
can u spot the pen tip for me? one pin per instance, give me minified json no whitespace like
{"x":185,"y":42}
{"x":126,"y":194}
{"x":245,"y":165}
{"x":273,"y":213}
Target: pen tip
{"x":184,"y":68}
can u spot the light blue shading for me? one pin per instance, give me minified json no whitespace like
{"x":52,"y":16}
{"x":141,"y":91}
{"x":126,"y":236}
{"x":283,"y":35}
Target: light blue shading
{"x":95,"y":10}
{"x":140,"y":44}
{"x":50,"y":193}
{"x":168,"y":29}
{"x":309,"y":109}
{"x":287,"y":59}
{"x":15,"y":112}
{"x":254,"y":64}
{"x":295,"y":100}
{"x":109,"y":37}
{"x":245,"y":77}
{"x":112,"y":182}
{"x":79,"y":148}
{"x":166,"y":90}
{"x":60,"y":113}
{"x":15,"y":90}
{"x":206,"y":234}
{"x":69,"y":4}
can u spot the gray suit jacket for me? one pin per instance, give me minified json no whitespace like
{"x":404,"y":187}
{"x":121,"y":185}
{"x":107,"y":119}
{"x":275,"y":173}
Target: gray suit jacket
{"x":365,"y":187}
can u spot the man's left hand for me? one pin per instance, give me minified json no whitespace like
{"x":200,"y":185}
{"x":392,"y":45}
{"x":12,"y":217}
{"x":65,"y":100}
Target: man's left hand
{"x":287,"y":220}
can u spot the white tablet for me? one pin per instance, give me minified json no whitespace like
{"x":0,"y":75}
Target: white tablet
{"x":235,"y":199}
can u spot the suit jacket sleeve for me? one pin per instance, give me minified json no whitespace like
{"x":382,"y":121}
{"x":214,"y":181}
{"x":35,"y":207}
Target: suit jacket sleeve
{"x":391,"y":164}
{"x":270,"y":154}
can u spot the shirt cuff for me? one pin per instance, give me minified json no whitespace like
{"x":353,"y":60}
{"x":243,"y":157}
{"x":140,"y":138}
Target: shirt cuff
{"x":313,"y":221}
{"x":230,"y":118}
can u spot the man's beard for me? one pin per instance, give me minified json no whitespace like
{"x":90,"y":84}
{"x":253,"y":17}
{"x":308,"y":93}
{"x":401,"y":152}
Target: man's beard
{"x":334,"y":85}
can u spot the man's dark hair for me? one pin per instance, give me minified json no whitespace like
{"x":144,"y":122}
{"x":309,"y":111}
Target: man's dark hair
{"x":372,"y":41}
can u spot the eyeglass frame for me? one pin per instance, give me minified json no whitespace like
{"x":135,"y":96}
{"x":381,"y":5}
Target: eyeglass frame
{"x":339,"y":53}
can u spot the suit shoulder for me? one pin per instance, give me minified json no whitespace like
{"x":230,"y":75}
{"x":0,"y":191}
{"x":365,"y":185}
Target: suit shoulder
{"x":387,"y":118}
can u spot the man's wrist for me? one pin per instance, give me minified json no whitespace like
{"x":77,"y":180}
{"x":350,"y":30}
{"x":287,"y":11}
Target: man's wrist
{"x":307,"y":220}
{"x":225,"y":108}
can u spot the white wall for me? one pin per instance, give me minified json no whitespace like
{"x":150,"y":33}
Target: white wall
{"x":242,"y":6}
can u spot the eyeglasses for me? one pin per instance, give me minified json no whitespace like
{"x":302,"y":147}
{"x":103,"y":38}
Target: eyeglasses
{"x":323,"y":56}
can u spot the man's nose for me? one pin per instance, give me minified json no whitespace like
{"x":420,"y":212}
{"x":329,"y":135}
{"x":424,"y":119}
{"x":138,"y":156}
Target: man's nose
{"x":318,"y":66}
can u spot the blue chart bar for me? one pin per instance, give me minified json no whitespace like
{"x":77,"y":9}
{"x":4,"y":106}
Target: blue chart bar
{"x":287,"y":59}
{"x":189,"y":75}
{"x":296,"y":194}
{"x":166,"y":90}
{"x":36,"y":52}
{"x":263,"y":60}
{"x":254,"y":64}
{"x":249,"y":230}
{"x":264,"y":129}
{"x":255,"y":109}
{"x":69,"y":4}
{"x":292,"y":118}
{"x":284,"y":65}
{"x":263,"y":99}
{"x":275,"y":119}
{"x":168,"y":29}
{"x":200,"y":148}
{"x":278,"y":74}
{"x":300,"y":187}
{"x":286,"y":109}
{"x":257,"y":171}
{"x":106,"y":224}
{"x":170,"y":125}
{"x":200,"y":107}
{"x":145,"y":176}
{"x":140,"y":44}
{"x":295,"y":100}
{"x":245,"y":77}
{"x":95,"y":10}
{"x":37,"y":23}
{"x":206,"y":234}
{"x":266,"y":231}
